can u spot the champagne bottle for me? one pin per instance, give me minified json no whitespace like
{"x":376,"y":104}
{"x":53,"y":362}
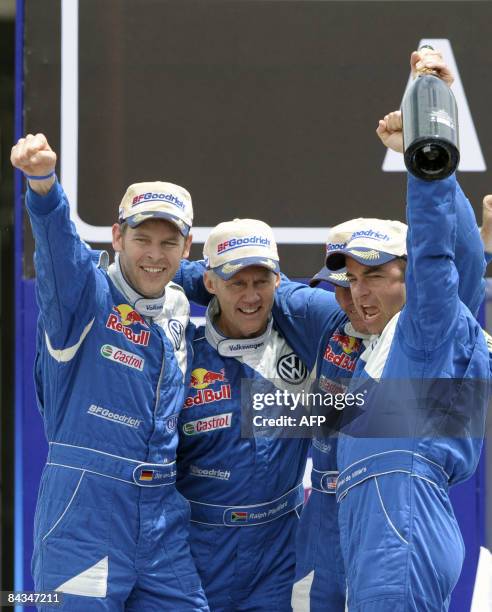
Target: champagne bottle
{"x":430,"y":128}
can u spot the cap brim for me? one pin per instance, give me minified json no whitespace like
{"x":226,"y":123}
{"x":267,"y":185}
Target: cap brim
{"x":227,"y":270}
{"x":328,"y":276}
{"x":362,"y":255}
{"x":138,"y":218}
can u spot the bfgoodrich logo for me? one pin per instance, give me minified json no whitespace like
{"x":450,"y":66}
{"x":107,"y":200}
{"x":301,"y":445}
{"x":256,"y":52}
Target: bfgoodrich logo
{"x":218,"y":473}
{"x":109,"y":415}
{"x":113,"y":353}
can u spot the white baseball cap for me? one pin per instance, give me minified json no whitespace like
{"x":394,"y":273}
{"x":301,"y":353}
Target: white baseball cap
{"x":373,"y":243}
{"x":234,"y":245}
{"x":338,"y":236}
{"x":335,"y":278}
{"x":157,"y":200}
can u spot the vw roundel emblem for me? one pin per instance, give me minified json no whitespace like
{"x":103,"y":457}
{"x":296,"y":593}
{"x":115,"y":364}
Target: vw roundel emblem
{"x":176,"y":330}
{"x":291,"y":369}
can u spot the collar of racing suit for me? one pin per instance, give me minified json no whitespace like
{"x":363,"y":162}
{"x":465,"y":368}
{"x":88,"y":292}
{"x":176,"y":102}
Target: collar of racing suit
{"x":377,"y":348}
{"x":230,"y":347}
{"x":351,"y":331}
{"x":147,"y":307}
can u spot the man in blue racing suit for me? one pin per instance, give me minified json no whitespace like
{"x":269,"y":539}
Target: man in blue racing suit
{"x":245,"y":492}
{"x":426,"y":373}
{"x":110,"y":527}
{"x":325,"y":548}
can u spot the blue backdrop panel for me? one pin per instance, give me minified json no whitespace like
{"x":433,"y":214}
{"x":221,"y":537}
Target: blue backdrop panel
{"x":34,"y":446}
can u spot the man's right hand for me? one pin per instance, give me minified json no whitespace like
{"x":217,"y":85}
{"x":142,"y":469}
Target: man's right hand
{"x":34,"y":157}
{"x":390,"y":131}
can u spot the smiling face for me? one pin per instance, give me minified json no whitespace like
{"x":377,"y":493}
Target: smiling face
{"x":346,"y":303}
{"x":150,"y":254}
{"x":245,"y":300}
{"x":378,"y":292}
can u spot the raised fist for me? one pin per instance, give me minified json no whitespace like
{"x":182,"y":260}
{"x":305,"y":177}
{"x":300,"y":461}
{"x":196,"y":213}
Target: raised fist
{"x":33,"y":155}
{"x":431,"y":61}
{"x":390,"y":131}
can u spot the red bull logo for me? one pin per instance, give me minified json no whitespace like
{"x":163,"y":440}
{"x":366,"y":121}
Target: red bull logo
{"x":124,"y":319}
{"x":202,"y":378}
{"x":129,"y":316}
{"x":207,"y":396}
{"x":349,"y":344}
{"x":340,"y":360}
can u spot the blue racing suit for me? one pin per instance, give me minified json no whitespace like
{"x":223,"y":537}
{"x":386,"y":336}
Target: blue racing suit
{"x":244,"y":492}
{"x":319,"y":558}
{"x":427,"y":381}
{"x":110,"y":527}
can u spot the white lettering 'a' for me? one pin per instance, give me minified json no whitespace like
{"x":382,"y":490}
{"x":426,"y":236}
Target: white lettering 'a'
{"x":471,"y":157}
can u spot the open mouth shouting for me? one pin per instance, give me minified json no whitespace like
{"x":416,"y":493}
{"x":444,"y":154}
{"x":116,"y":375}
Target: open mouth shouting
{"x":369,"y":313}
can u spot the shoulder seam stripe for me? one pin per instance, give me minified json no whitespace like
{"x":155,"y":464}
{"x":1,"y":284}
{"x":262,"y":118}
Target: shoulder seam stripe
{"x":64,"y":355}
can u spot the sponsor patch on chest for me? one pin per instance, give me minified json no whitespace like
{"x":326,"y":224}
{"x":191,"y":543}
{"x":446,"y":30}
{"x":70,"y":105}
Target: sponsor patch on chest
{"x":217,"y":473}
{"x":341,"y":360}
{"x":211,"y":423}
{"x":131,"y":360}
{"x":111,"y":415}
{"x":207,"y":396}
{"x":128,"y":322}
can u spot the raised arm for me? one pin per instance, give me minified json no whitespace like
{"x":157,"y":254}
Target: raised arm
{"x":64,"y":270}
{"x":432,"y":301}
